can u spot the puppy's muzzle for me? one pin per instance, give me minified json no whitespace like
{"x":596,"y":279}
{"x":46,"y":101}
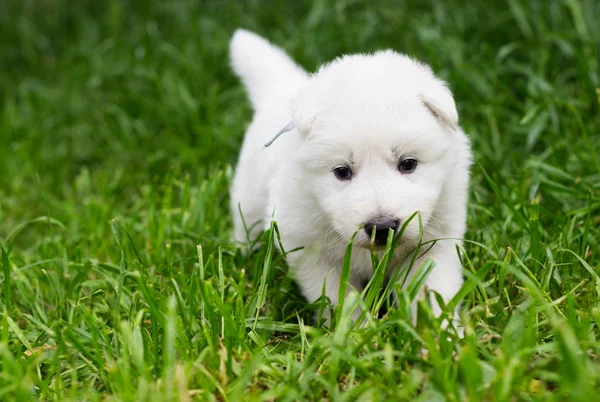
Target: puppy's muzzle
{"x":382,"y":227}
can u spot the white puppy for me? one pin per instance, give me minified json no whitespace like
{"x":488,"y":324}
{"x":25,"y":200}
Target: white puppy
{"x":374,"y":138}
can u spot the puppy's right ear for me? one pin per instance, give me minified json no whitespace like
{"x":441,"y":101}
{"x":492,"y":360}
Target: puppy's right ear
{"x":304,"y":112}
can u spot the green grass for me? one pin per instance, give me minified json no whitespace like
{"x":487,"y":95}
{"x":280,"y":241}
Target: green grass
{"x":119,"y":124}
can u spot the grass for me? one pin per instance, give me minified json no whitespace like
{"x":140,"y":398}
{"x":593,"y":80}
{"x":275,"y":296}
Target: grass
{"x":119,"y":124}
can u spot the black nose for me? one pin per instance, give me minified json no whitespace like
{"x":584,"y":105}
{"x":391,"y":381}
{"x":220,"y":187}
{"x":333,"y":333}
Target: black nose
{"x":382,"y":227}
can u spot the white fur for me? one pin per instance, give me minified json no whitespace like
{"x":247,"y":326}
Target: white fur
{"x":365,"y":111}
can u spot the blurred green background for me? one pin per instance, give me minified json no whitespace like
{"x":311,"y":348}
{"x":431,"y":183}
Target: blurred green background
{"x":126,"y":90}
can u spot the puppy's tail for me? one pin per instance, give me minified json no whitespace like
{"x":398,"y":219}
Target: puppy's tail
{"x":267,"y":71}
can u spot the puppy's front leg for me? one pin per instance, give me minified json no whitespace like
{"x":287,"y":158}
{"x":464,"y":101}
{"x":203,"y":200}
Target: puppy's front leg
{"x":315,"y":275}
{"x":446,"y":278}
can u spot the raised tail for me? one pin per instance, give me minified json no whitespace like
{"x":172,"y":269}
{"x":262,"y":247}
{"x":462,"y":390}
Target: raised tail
{"x":266,"y":70}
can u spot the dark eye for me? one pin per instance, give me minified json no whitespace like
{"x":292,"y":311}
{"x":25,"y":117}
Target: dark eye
{"x":343,"y":173}
{"x":408,"y":165}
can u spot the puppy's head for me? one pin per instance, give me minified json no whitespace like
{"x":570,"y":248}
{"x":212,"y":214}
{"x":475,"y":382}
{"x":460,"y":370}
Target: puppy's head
{"x":380,"y":134}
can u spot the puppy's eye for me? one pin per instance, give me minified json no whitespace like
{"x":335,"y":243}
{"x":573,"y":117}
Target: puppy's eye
{"x":343,"y":173}
{"x":408,"y":165}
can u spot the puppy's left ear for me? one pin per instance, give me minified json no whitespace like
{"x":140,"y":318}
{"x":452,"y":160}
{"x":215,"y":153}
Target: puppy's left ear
{"x":440,"y":104}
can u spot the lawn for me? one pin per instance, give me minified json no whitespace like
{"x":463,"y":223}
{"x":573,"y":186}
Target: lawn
{"x":120,"y":124}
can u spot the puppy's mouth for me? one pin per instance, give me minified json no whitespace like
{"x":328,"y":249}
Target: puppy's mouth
{"x":380,"y":245}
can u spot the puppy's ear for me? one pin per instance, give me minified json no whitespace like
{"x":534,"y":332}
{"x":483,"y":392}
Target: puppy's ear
{"x":440,"y":104}
{"x":304,"y":112}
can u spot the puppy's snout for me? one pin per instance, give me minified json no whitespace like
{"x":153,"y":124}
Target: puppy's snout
{"x":382,"y":227}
